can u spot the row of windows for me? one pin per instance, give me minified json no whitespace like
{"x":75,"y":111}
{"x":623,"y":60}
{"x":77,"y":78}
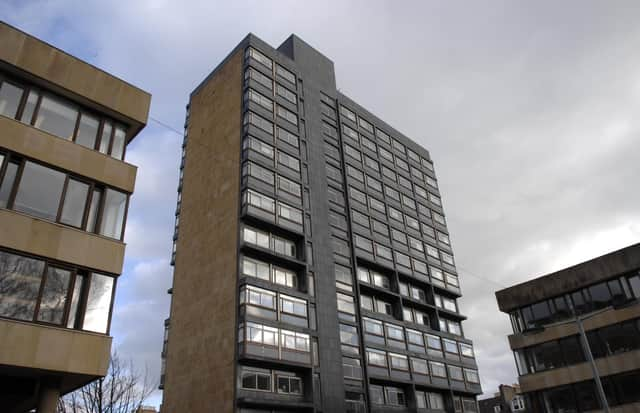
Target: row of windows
{"x":251,"y":267}
{"x":269,"y":241}
{"x":270,"y":205}
{"x":275,"y":306}
{"x":36,"y":290}
{"x":413,"y":315}
{"x":269,"y":177}
{"x":261,"y":58}
{"x":398,"y":217}
{"x":604,"y":342}
{"x":56,"y":196}
{"x":392,"y":335}
{"x":387,"y":395}
{"x":272,"y":381}
{"x":273,"y":337}
{"x":583,"y":397}
{"x":583,"y":301}
{"x":420,"y":367}
{"x":389,"y":172}
{"x":62,"y":118}
{"x":384,"y":138}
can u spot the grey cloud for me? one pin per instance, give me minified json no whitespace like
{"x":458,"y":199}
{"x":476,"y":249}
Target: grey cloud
{"x":529,"y":111}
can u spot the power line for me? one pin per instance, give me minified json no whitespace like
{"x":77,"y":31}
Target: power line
{"x":174,"y":130}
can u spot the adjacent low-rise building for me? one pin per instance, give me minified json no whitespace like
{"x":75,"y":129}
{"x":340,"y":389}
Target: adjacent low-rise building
{"x":508,"y":399}
{"x":575,"y":325}
{"x":64,"y":195}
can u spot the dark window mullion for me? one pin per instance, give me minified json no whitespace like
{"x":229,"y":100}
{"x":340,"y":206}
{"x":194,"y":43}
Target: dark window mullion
{"x":87,"y":206}
{"x":77,"y":126}
{"x":23,"y":101}
{"x":67,"y":307}
{"x":84,"y":297}
{"x":16,"y":184}
{"x":32,"y":121}
{"x":113,"y":296}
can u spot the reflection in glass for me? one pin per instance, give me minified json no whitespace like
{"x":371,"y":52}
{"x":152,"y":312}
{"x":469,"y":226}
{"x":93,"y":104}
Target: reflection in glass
{"x":117,"y":148}
{"x":93,"y":210}
{"x":74,"y":203}
{"x":10,"y":96}
{"x":106,"y":138}
{"x":39,"y":191}
{"x":57,"y":117}
{"x":54,"y":295}
{"x":96,"y":316}
{"x":87,"y":131}
{"x":115,"y":203}
{"x":7,"y":184}
{"x":20,"y":279}
{"x":75,"y":301}
{"x":29,"y":107}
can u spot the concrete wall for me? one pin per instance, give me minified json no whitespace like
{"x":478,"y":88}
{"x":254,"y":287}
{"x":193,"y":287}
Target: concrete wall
{"x":200,"y":373}
{"x":47,"y":239}
{"x":71,"y":74}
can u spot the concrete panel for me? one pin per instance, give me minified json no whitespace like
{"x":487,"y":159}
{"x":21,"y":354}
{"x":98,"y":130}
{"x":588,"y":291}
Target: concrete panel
{"x":34,"y":346}
{"x":40,"y":145}
{"x":200,"y":371}
{"x":24,"y":233}
{"x":72,"y":74}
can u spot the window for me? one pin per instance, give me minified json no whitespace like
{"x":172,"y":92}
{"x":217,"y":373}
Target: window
{"x":289,"y":384}
{"x":373,"y":184}
{"x":286,"y":115}
{"x":285,"y":74}
{"x":288,"y":161}
{"x":517,"y":403}
{"x":285,"y":277}
{"x":259,"y":172}
{"x":437,"y":369}
{"x":352,"y":368}
{"x":350,"y":133}
{"x":353,"y":153}
{"x":383,"y":307}
{"x":294,"y":341}
{"x":412,"y":223}
{"x":287,"y":137}
{"x":10,"y":96}
{"x":253,"y":74}
{"x":365,"y":125}
{"x":455,"y":373}
{"x":357,"y":195}
{"x":283,"y":246}
{"x":395,"y":214}
{"x":372,"y":326}
{"x":371,"y":163}
{"x":286,"y":93}
{"x":419,"y":366}
{"x":368,"y":143}
{"x":398,"y":362}
{"x":348,"y":113}
{"x":255,"y":268}
{"x":416,"y":244}
{"x":98,"y":307}
{"x":376,"y":358}
{"x":394,"y":396}
{"x":289,"y":186}
{"x":260,"y":99}
{"x":259,"y":147}
{"x":434,"y":346}
{"x":258,"y":297}
{"x":379,"y":206}
{"x":40,"y":191}
{"x":343,"y":277}
{"x":472,"y":376}
{"x":402,"y":164}
{"x":436,"y":401}
{"x":289,"y":213}
{"x":251,"y":118}
{"x":366,"y":302}
{"x":349,"y":339}
{"x":251,"y":52}
{"x":380,"y":227}
{"x":376,"y":394}
{"x":254,"y":379}
{"x":355,"y":173}
{"x":293,"y":306}
{"x":380,"y":280}
{"x":383,"y":252}
{"x":398,"y":146}
{"x":402,"y":259}
{"x":394,"y":333}
{"x":466,"y":350}
{"x":346,"y":303}
{"x":391,"y":193}
{"x":260,"y":201}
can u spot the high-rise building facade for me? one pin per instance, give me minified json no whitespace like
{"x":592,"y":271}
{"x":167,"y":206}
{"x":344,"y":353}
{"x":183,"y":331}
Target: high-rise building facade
{"x":574,"y":325}
{"x":313,"y":270}
{"x":64,"y":194}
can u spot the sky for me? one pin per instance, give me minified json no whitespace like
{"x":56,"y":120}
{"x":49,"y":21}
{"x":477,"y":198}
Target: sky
{"x":529,"y":110}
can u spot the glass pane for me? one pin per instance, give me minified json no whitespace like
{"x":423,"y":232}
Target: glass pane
{"x":10,"y":96}
{"x":54,"y":295}
{"x":87,"y":131}
{"x":96,"y":316}
{"x":115,"y":203}
{"x":75,"y":201}
{"x":39,"y":191}
{"x":29,"y":107}
{"x":117,"y":150}
{"x":7,"y":184}
{"x":20,"y":279}
{"x":75,"y":301}
{"x":93,"y":210}
{"x":57,"y":117}
{"x":106,"y":138}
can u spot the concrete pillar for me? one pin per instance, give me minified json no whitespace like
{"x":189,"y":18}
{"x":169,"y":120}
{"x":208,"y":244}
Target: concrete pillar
{"x":48,"y":396}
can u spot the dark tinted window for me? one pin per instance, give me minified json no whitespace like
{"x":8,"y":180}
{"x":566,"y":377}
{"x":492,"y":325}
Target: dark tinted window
{"x":620,"y":338}
{"x":561,"y":399}
{"x":586,"y":396}
{"x":547,"y":356}
{"x":562,"y":310}
{"x":572,"y":350}
{"x":600,"y":296}
{"x":579,"y":302}
{"x":627,"y":389}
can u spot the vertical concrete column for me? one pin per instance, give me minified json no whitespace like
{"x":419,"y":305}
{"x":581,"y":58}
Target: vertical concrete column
{"x":48,"y":395}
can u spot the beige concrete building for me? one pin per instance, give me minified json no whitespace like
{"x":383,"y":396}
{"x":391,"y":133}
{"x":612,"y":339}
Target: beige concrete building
{"x":577,"y":335}
{"x":64,"y":195}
